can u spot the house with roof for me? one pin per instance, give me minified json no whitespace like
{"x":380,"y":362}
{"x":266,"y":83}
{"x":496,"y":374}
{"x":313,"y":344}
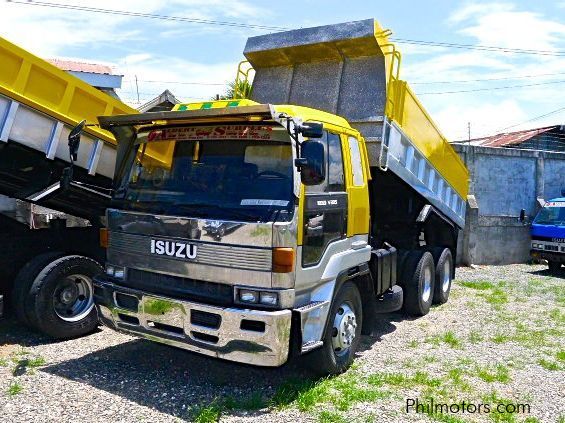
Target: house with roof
{"x":98,"y":75}
{"x":548,"y":138}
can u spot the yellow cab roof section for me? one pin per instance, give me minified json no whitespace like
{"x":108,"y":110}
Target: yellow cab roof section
{"x":304,"y":113}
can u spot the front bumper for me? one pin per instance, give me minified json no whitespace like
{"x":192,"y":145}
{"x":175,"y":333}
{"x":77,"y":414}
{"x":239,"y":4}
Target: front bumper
{"x":548,"y":255}
{"x":247,"y":336}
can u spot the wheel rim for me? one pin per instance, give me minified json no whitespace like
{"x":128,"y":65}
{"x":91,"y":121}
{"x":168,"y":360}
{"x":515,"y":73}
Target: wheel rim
{"x":72,"y":298}
{"x":446,"y":276}
{"x":344,"y":329}
{"x":427,"y":291}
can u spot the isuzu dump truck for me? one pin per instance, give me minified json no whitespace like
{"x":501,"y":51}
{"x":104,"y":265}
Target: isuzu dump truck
{"x":255,"y":230}
{"x":548,"y":233}
{"x":46,"y":273}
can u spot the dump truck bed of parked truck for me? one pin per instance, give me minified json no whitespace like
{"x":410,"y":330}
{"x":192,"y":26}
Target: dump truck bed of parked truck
{"x":46,"y":273}
{"x":280,"y":226}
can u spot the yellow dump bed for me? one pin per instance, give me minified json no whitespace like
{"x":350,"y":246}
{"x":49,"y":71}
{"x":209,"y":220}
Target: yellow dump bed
{"x":352,"y":70}
{"x":39,"y":103}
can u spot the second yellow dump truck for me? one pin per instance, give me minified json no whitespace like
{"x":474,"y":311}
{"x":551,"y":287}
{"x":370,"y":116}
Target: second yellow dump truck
{"x":256,"y":230}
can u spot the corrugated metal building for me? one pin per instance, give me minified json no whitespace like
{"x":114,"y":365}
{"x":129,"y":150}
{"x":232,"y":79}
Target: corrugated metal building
{"x":549,"y":138}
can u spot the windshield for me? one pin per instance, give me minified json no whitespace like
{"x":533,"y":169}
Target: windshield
{"x":551,"y":215}
{"x":188,"y":171}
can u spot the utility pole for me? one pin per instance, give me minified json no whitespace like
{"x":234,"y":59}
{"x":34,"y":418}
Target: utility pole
{"x":137,"y":89}
{"x":469,"y":132}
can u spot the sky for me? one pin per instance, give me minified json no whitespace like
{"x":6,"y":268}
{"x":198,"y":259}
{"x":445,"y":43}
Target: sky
{"x":165,"y":54}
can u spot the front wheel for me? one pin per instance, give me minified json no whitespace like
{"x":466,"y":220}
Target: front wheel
{"x":342,"y":335}
{"x":63,"y":298}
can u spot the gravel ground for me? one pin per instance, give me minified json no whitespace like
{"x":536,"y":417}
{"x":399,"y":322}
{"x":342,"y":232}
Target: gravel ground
{"x":499,"y":340}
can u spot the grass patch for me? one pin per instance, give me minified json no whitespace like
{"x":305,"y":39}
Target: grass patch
{"x":413,"y":344}
{"x":330,"y":417}
{"x":448,"y":338}
{"x":475,"y":337}
{"x":500,"y":373}
{"x":478,"y":285}
{"x":342,"y":391}
{"x":400,"y":380}
{"x":25,"y":364}
{"x":497,"y":297}
{"x":210,"y":413}
{"x":560,"y":355}
{"x":3,"y":362}
{"x":548,"y":365}
{"x":557,"y":316}
{"x":15,"y":388}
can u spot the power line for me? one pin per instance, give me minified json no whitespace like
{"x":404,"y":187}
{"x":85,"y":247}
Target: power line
{"x":492,"y":88}
{"x":479,"y":47}
{"x":278,"y":28}
{"x":532,"y":119}
{"x":182,"y":82}
{"x":146,"y":15}
{"x":461,"y":81}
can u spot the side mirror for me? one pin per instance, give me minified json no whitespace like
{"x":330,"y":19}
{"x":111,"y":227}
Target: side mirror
{"x":311,"y":130}
{"x":522,"y":215}
{"x":312,"y":163}
{"x":74,"y":140}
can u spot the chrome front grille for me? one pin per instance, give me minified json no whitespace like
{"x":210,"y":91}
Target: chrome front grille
{"x":212,"y":254}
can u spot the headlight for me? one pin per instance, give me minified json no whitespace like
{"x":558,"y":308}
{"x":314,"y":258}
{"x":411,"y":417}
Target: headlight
{"x":252,"y":296}
{"x":269,"y":298}
{"x":248,"y":296}
{"x":115,"y":271}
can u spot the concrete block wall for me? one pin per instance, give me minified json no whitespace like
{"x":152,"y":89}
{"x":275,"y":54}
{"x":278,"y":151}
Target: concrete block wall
{"x":504,"y":181}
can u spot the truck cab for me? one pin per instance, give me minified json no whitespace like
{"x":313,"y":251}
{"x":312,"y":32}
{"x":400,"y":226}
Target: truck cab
{"x":548,"y":233}
{"x":217,"y":214}
{"x":258,"y":229}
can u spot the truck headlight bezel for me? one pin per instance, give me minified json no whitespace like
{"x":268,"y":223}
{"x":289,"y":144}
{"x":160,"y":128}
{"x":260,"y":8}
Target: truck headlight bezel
{"x":117,"y":272}
{"x":254,"y":296}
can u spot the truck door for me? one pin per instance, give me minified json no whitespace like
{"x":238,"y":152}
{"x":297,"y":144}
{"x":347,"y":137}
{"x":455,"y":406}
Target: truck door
{"x":326,"y":205}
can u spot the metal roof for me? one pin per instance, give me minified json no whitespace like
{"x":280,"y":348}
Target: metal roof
{"x":75,"y":66}
{"x":509,"y":138}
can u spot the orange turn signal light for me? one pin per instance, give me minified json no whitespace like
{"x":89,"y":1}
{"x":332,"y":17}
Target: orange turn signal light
{"x":283,"y":260}
{"x":104,"y":237}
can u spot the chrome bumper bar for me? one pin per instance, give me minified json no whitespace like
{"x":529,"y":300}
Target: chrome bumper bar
{"x":247,"y":336}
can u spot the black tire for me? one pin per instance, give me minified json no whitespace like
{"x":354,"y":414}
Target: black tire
{"x":47,"y":293}
{"x":554,"y":266}
{"x":327,"y":360}
{"x":443,"y":260}
{"x":418,"y":269}
{"x":22,"y":302}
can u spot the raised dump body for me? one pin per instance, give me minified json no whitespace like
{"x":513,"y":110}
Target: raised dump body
{"x":352,"y":70}
{"x":39,"y":104}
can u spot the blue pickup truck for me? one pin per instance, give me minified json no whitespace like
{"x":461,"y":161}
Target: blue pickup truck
{"x":548,"y":233}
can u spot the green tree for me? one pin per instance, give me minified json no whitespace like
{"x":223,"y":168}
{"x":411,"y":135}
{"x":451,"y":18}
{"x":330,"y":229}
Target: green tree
{"x":243,"y":90}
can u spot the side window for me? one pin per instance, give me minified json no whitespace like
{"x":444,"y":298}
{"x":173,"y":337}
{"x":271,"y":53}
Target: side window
{"x":335,"y":181}
{"x":356,"y":163}
{"x":322,"y":187}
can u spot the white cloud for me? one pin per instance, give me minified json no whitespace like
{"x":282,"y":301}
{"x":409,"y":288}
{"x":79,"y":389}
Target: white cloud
{"x":48,"y":31}
{"x":484,"y":118}
{"x":185,"y":79}
{"x":493,"y":24}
